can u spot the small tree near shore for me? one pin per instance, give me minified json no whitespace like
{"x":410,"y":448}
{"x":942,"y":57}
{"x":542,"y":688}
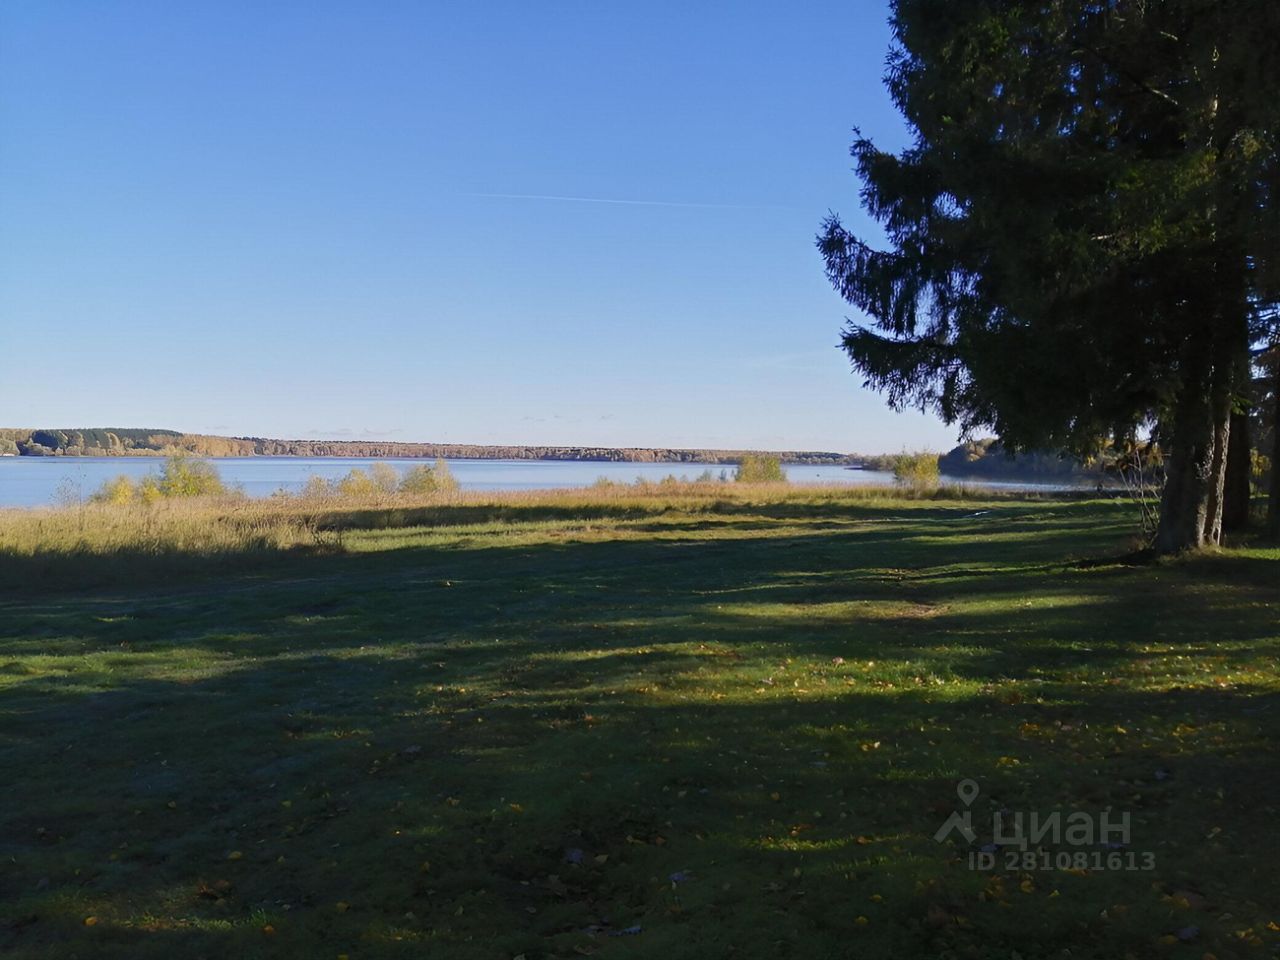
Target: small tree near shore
{"x":181,"y":476}
{"x":118,"y":490}
{"x":385,"y":478}
{"x":423,"y":480}
{"x":919,"y":471}
{"x":758,"y":468}
{"x":184,"y":476}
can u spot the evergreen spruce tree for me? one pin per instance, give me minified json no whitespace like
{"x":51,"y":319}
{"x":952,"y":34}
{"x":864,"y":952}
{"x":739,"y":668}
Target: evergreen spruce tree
{"x":1077,"y":233}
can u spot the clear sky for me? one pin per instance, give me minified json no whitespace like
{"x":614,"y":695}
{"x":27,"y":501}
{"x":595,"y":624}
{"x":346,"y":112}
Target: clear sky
{"x":527,"y":222}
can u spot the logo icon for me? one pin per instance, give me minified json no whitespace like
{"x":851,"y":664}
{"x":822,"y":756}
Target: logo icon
{"x":967,"y":791}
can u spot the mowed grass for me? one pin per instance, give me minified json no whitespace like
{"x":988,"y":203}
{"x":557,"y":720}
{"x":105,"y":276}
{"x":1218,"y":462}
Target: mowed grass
{"x":704,"y":725}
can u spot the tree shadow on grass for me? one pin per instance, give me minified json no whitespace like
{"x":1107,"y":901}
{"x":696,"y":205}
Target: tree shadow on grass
{"x":742,"y":743}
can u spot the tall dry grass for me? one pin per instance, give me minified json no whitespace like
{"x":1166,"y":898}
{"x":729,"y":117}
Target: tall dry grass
{"x":105,"y":541}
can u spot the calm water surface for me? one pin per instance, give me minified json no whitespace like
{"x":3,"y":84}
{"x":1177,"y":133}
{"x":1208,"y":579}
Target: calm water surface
{"x":40,"y":481}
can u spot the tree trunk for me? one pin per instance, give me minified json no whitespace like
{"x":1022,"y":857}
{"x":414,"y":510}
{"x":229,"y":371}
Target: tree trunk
{"x":1273,"y":500}
{"x":1184,"y":502}
{"x":1217,"y":477}
{"x":1192,"y":500}
{"x":1235,"y":502}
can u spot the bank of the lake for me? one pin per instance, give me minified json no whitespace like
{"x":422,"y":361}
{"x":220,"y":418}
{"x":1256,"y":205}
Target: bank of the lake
{"x":41,"y":481}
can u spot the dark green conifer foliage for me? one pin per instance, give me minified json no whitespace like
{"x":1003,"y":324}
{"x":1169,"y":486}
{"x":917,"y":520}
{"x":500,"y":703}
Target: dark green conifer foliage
{"x":1082,"y":236}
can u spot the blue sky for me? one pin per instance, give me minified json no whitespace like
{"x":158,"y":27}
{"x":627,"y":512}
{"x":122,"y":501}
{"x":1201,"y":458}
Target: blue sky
{"x":357,"y":220}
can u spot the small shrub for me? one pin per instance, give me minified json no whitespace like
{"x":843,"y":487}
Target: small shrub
{"x":357,"y":485}
{"x":423,"y":481}
{"x":758,"y":468}
{"x":183,"y":476}
{"x":316,"y":488}
{"x":1260,"y":470}
{"x":385,"y":478}
{"x":149,"y":490}
{"x":117,"y":491}
{"x":919,"y":471}
{"x":418,"y":481}
{"x":444,"y":476}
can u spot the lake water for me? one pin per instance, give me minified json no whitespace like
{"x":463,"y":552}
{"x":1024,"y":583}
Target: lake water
{"x":37,"y":481}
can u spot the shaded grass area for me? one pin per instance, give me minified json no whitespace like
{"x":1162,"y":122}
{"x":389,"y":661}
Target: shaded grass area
{"x":630,"y":731}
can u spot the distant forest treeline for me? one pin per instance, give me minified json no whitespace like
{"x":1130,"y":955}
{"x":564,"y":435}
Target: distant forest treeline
{"x":986,"y":459}
{"x":979,"y":458}
{"x":94,"y":442}
{"x":107,"y":442}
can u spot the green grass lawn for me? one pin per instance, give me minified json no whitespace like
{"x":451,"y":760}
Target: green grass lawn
{"x":727,"y":729}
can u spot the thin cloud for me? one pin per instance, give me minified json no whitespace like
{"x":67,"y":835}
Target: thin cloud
{"x":630,"y":203}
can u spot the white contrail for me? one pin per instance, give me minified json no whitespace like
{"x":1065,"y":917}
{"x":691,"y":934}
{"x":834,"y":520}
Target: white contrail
{"x":630,"y":203}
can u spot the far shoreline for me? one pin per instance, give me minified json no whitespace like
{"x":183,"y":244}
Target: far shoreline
{"x":977,"y":461}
